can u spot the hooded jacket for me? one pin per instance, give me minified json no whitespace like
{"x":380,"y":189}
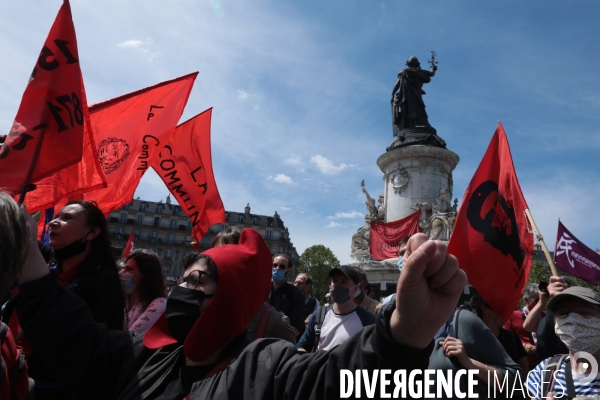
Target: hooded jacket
{"x":96,"y":363}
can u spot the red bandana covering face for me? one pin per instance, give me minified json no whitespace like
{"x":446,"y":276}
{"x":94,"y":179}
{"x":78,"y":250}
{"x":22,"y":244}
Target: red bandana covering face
{"x":244,"y":283}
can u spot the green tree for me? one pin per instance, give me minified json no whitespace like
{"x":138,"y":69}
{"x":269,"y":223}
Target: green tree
{"x":541,"y":273}
{"x":317,"y":261}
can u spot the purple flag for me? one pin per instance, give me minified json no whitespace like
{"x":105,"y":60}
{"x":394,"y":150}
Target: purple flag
{"x":576,"y":258}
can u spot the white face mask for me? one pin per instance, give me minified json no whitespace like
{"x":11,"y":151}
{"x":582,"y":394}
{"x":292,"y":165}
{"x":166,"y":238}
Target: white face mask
{"x":579,"y":333}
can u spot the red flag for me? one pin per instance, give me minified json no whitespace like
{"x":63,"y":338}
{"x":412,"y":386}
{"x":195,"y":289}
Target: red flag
{"x":130,"y":130}
{"x":129,"y":247}
{"x":385,"y":236}
{"x":69,"y":183}
{"x":185,"y":165}
{"x":47,"y":134}
{"x":490,"y":238}
{"x":576,"y":258}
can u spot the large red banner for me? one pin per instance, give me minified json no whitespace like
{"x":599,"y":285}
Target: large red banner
{"x":47,"y":134}
{"x":491,"y":238}
{"x":185,"y":165}
{"x":130,"y":130}
{"x":385,"y":236}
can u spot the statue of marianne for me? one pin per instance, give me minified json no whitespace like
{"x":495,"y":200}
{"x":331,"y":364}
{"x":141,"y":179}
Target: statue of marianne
{"x":408,"y":108}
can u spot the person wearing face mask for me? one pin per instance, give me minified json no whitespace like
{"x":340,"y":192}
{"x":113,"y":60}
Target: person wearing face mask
{"x":143,"y":282}
{"x":284,"y":297}
{"x":401,"y":250}
{"x":85,"y":265}
{"x":577,"y":324}
{"x":361,"y":298}
{"x":192,"y":350}
{"x":342,"y":319}
{"x":531,"y":297}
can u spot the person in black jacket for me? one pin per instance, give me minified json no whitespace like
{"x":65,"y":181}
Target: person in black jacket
{"x":194,"y":349}
{"x":84,"y":264}
{"x":284,"y":297}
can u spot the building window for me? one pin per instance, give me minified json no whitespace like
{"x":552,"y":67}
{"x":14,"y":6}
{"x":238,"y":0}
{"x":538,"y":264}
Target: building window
{"x":136,"y":234}
{"x":268,"y":234}
{"x":160,"y":208}
{"x":127,"y":206}
{"x":189,"y":225}
{"x":241,"y":218}
{"x":140,"y":219}
{"x":119,"y":233}
{"x":255,"y":220}
{"x":176,"y":210}
{"x":205,"y":243}
{"x":171,"y":238}
{"x":226,"y":216}
{"x":223,"y":227}
{"x":156,"y":221}
{"x":143,"y":206}
{"x":153,"y":237}
{"x":169,"y":253}
{"x":173,"y":223}
{"x":123,"y":218}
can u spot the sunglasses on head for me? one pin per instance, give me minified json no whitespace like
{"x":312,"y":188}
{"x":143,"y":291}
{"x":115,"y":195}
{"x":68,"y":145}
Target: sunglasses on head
{"x":280,"y":266}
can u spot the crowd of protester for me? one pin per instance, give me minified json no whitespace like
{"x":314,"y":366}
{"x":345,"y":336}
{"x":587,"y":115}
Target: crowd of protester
{"x":77,"y":324}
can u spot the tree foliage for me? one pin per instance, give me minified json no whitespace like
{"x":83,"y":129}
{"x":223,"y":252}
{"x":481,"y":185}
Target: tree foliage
{"x":540,"y":273}
{"x":317,"y":261}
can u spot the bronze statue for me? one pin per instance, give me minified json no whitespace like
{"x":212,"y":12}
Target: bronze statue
{"x":409,"y":118}
{"x":408,"y":108}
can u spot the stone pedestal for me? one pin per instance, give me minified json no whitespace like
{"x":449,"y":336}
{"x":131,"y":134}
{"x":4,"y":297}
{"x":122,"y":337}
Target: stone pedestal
{"x":414,"y":174}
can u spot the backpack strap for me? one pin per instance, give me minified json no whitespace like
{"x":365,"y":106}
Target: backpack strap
{"x":452,"y":325}
{"x":569,"y":380}
{"x":262,"y":325}
{"x":552,"y":364}
{"x":318,"y":323}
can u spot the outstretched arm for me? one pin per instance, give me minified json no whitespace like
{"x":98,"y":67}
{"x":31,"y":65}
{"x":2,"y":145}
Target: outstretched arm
{"x":428,"y":291}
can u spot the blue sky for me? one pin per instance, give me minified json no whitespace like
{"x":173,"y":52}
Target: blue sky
{"x":301,"y":94}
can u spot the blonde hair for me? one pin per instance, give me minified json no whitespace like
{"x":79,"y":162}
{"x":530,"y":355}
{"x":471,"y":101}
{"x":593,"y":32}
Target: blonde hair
{"x":14,"y":241}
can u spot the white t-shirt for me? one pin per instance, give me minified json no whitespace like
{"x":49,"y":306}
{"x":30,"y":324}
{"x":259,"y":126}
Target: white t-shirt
{"x":338,"y":328}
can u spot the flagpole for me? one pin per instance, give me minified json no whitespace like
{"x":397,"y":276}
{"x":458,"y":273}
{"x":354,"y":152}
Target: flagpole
{"x":540,"y":240}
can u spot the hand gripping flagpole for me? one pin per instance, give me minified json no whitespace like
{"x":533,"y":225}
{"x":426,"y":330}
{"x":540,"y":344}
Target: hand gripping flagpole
{"x":540,"y":240}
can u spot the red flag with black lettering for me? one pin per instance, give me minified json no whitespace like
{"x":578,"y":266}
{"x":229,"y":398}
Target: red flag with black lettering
{"x":185,"y":166}
{"x":130,"y":130}
{"x":129,"y":247}
{"x":47,"y":133}
{"x":385,"y":236}
{"x":491,"y":238}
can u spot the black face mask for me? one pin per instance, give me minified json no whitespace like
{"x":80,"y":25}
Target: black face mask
{"x":70,"y":250}
{"x":183,"y":310}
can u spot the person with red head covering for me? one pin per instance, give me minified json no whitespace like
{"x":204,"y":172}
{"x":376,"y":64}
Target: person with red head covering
{"x":194,"y":350}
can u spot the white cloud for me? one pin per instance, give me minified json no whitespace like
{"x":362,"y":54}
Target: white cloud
{"x":140,"y":45}
{"x":242,"y":95}
{"x":294,"y":160}
{"x":351,"y":214}
{"x":284,"y":208}
{"x":281,"y":178}
{"x":130,"y":44}
{"x":333,"y":224}
{"x":326,"y":166}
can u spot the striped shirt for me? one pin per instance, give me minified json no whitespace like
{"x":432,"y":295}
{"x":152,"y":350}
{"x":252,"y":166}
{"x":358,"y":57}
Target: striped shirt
{"x":582,"y":389}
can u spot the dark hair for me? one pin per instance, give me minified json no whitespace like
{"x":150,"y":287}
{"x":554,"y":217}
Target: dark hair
{"x":14,"y":241}
{"x":290,"y":263}
{"x":152,"y":285}
{"x":477,"y":302}
{"x":228,"y":236}
{"x":361,"y":273}
{"x":101,"y":252}
{"x":193,"y":258}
